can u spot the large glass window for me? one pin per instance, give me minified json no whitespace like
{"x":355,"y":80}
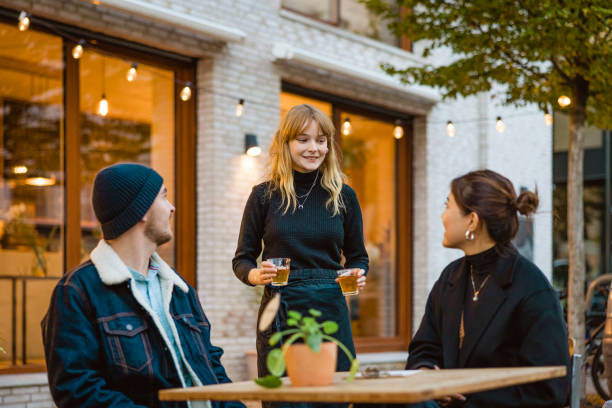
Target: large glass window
{"x":54,"y":138}
{"x":138,"y":128}
{"x":31,"y":187}
{"x":374,"y":162}
{"x":351,"y":15}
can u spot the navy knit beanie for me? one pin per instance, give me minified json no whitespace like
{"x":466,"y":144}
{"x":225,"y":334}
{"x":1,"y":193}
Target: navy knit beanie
{"x":122,"y":194}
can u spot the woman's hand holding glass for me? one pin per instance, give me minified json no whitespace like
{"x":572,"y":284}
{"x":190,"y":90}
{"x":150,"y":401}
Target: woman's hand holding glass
{"x":263,"y":275}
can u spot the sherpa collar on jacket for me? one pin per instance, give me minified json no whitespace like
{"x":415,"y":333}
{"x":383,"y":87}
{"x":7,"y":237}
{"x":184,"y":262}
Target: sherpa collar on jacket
{"x":113,"y":271}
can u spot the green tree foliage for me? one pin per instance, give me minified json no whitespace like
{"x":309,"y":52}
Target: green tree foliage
{"x":538,"y":49}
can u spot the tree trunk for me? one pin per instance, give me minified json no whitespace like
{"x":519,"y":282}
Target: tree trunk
{"x":575,"y":218}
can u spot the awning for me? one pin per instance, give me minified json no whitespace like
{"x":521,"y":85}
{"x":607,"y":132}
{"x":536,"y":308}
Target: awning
{"x":177,"y":19}
{"x":285,"y":52}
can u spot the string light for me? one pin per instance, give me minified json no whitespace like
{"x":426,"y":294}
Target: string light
{"x":548,"y":119}
{"x":347,"y":128}
{"x":450,"y":129}
{"x":240,"y":107}
{"x":185,"y":93}
{"x":500,"y":126}
{"x":103,"y":106}
{"x":77,"y":51}
{"x":398,"y":130}
{"x":24,"y":21}
{"x":131,"y":74}
{"x":564,"y":101}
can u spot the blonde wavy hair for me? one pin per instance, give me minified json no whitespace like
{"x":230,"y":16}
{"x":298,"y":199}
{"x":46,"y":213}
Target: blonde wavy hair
{"x":280,"y":165}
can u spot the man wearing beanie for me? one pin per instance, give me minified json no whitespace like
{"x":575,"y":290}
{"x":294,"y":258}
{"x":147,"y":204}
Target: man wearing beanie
{"x":124,"y":325}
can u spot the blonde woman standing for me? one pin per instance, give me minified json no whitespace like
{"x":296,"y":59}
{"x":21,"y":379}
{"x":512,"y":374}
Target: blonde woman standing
{"x":305,"y":212}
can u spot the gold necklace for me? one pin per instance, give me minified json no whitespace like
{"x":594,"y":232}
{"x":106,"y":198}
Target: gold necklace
{"x":476,"y":292}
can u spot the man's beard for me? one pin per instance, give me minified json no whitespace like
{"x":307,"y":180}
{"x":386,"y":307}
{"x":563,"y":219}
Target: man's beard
{"x":157,"y":235}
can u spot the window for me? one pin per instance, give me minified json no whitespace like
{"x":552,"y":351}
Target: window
{"x":351,"y":15}
{"x":377,"y":166}
{"x":53,"y":140}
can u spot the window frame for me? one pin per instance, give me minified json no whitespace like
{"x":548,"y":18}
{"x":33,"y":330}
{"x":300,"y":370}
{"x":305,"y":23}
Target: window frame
{"x":403,"y":160}
{"x":403,"y":43}
{"x":185,"y":125}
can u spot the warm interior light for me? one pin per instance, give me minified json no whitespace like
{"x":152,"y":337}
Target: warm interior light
{"x":398,"y":130}
{"x":40,"y":181}
{"x":564,"y":101}
{"x":77,"y":51}
{"x":450,"y":129}
{"x":548,"y":119}
{"x":240,"y":108}
{"x":500,"y":126}
{"x":103,"y":106}
{"x":24,"y":21}
{"x":20,"y":170}
{"x":347,"y":128}
{"x":131,"y":74}
{"x":185,"y":93}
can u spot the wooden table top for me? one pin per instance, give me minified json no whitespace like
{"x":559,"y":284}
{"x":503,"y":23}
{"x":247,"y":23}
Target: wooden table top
{"x":422,"y":386}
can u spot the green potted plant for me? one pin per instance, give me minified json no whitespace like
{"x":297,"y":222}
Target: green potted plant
{"x":308,"y":364}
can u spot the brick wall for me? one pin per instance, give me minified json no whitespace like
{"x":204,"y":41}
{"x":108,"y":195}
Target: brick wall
{"x":226,"y":72}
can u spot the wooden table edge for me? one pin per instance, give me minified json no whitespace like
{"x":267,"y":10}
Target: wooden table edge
{"x":318,"y":394}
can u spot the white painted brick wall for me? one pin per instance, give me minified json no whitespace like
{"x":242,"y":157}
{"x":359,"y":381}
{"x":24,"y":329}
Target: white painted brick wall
{"x":226,"y":72}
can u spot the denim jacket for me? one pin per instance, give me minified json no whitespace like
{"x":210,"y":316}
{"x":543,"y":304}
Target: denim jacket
{"x":103,"y":349}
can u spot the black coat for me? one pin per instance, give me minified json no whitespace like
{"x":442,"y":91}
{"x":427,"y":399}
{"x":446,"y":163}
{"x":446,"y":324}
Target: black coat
{"x":518,"y":322}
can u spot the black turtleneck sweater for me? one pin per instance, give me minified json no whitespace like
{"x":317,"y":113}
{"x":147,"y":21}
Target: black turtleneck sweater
{"x":482,"y":266}
{"x":311,"y":236}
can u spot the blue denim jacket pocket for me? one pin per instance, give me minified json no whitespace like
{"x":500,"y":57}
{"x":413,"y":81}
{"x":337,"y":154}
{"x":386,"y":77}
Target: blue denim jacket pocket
{"x":192,"y":330}
{"x":127,"y":342}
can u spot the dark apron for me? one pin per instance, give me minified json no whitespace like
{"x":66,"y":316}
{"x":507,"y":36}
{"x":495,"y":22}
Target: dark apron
{"x":307,"y":289}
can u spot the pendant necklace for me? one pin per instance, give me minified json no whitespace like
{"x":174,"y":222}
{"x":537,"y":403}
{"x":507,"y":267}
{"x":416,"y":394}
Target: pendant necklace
{"x":476,"y":292}
{"x":305,"y":196}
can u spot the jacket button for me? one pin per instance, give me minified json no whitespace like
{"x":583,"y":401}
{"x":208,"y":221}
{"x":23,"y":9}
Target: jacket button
{"x":129,"y":327}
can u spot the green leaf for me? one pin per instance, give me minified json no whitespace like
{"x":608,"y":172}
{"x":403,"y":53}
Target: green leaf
{"x":330,"y":327}
{"x":353,"y":371}
{"x":276,"y":362}
{"x":295,"y":315}
{"x":292,"y":322}
{"x":314,"y":341}
{"x":276,"y":337}
{"x":269,"y":381}
{"x":314,"y":312}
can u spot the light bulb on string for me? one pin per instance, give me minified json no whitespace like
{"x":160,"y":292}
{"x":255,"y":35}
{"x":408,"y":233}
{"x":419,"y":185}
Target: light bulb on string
{"x":564,"y":101}
{"x":548,"y":119}
{"x":347,"y":128}
{"x":500,"y":126}
{"x":450,"y":129}
{"x":185,"y":93}
{"x":24,"y":21}
{"x":240,"y":108}
{"x":132,"y":72}
{"x":77,"y":50}
{"x":103,"y":106}
{"x":398,"y":130}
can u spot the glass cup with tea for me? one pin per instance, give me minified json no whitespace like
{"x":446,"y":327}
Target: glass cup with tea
{"x":347,"y":278}
{"x":282,"y":271}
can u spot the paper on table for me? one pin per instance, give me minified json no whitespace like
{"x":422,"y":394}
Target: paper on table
{"x":391,"y":373}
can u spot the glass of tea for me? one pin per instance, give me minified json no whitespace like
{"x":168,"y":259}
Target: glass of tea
{"x":347,"y":278}
{"x":282,"y":271}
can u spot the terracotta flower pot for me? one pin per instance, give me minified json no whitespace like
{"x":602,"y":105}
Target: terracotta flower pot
{"x":308,"y":368}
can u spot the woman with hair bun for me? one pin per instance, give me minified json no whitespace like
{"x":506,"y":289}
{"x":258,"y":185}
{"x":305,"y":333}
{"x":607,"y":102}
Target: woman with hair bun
{"x":492,"y":307}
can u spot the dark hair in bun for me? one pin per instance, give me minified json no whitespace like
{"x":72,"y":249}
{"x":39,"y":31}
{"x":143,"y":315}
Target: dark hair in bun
{"x":493,"y":198}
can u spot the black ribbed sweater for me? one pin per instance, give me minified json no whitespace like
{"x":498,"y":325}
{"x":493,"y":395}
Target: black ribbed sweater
{"x":311,"y":237}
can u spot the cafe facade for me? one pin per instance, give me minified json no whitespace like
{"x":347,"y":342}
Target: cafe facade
{"x":187,"y":87}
